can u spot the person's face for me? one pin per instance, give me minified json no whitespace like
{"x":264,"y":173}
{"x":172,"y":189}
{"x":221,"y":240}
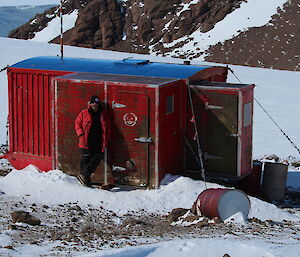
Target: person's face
{"x":94,"y":106}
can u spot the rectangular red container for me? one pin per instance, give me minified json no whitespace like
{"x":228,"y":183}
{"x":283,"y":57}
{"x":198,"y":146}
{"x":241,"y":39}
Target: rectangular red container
{"x":150,"y":118}
{"x":146,"y":129}
{"x":30,"y":132}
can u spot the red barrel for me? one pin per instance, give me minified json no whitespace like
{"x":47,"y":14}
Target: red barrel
{"x":222,"y":203}
{"x":251,"y":183}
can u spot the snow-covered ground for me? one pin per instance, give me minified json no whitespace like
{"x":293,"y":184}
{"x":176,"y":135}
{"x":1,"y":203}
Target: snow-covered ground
{"x":55,"y":188}
{"x":213,"y":247}
{"x":59,"y":188}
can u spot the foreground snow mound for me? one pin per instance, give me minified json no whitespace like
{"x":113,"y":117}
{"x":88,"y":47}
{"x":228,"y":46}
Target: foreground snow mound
{"x":55,"y":187}
{"x":198,"y":248}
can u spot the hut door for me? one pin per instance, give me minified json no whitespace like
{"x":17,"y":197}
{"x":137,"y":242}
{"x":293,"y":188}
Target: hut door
{"x":217,"y":122}
{"x":130,"y":138}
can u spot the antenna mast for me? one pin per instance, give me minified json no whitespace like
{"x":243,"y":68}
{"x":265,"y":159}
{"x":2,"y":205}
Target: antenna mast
{"x":61,"y":30}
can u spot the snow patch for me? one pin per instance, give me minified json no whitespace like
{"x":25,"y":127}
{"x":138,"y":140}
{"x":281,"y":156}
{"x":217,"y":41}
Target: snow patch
{"x":53,"y":28}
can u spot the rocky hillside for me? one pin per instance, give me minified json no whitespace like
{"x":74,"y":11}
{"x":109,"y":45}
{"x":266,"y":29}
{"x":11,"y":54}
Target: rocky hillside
{"x":164,"y":27}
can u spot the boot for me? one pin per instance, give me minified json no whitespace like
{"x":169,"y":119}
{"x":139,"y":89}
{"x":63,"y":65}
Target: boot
{"x":84,"y":180}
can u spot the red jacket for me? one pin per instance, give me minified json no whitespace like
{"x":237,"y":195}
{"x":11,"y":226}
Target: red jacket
{"x":83,"y":125}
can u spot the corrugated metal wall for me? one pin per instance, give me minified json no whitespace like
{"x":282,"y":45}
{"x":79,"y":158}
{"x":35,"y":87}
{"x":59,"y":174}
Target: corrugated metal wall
{"x":30,"y":113}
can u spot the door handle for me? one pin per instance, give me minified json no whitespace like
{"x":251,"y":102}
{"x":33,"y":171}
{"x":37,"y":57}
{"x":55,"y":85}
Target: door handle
{"x":235,"y":135}
{"x":143,"y":139}
{"x":115,"y":105}
{"x":212,"y":107}
{"x":118,"y":168}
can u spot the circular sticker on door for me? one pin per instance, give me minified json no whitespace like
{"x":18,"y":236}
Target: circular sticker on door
{"x":130,"y":119}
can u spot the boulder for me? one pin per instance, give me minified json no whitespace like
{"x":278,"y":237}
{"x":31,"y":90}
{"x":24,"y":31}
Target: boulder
{"x":175,"y":214}
{"x":24,"y":217}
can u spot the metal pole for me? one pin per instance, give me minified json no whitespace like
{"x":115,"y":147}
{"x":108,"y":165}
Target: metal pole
{"x":7,"y":133}
{"x":61,"y":30}
{"x":197,"y":136}
{"x":105,"y":152}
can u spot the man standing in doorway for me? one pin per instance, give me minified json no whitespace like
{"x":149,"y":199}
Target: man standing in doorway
{"x":92,"y":127}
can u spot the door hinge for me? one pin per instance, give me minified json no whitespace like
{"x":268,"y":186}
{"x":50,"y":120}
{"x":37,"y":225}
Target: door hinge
{"x":212,"y":107}
{"x":144,"y":139}
{"x":115,"y":105}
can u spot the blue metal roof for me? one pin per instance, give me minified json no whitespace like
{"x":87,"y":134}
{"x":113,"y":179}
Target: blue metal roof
{"x":122,"y":67}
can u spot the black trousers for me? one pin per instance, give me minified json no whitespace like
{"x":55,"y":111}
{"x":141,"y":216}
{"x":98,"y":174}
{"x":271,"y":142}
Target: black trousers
{"x":90,"y":160}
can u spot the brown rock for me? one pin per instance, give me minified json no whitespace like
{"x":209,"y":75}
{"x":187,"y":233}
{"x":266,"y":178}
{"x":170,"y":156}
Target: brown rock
{"x":9,"y":247}
{"x":24,"y":217}
{"x":191,"y":218}
{"x":176,"y":213}
{"x":203,"y":223}
{"x":133,"y":222}
{"x":167,"y":38}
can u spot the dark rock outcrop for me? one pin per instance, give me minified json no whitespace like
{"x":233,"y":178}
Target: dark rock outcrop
{"x":99,"y":25}
{"x":275,"y":45}
{"x":104,"y":23}
{"x":175,"y":214}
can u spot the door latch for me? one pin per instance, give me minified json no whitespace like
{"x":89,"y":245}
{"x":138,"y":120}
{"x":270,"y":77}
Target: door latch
{"x":212,"y":157}
{"x":234,"y":135}
{"x":115,"y":105}
{"x":212,"y":107}
{"x":118,"y":168}
{"x":144,"y":139}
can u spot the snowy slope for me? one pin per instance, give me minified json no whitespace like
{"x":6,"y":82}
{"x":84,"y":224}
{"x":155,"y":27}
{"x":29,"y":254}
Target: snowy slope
{"x":204,"y":248}
{"x":55,"y":188}
{"x":59,"y":188}
{"x":51,"y":32}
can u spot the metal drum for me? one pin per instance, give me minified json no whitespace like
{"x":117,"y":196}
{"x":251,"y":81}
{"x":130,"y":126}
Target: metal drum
{"x":274,"y":181}
{"x":222,"y":203}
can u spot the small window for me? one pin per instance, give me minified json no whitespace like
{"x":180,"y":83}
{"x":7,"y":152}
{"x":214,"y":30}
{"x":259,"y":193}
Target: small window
{"x":170,"y":104}
{"x":247,"y":114}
